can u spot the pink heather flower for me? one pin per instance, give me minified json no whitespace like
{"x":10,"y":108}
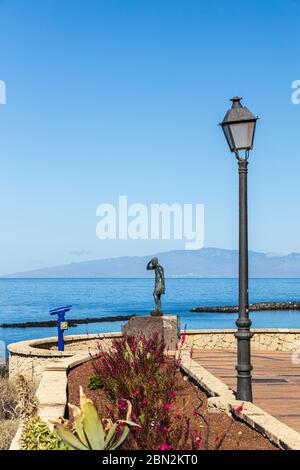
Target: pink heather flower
{"x":239,"y":408}
{"x":134,"y":417}
{"x":165,"y":428}
{"x":165,"y":447}
{"x":198,"y":440}
{"x":136,"y":392}
{"x":178,"y":363}
{"x":196,"y":413}
{"x":173,"y":395}
{"x":145,"y":401}
{"x":122,"y":405}
{"x":167,"y":406}
{"x":183,"y":337}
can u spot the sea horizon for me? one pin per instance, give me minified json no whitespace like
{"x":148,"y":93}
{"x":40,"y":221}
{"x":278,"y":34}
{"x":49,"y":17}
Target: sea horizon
{"x":28,"y":299}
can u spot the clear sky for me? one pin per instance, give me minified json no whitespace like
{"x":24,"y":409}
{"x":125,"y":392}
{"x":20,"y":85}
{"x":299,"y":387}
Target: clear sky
{"x":123,"y":97}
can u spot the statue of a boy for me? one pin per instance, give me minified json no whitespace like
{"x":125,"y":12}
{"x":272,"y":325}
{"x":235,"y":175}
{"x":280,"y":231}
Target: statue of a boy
{"x":159,"y":288}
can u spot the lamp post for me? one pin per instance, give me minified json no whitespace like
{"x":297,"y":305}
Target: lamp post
{"x":239,"y":129}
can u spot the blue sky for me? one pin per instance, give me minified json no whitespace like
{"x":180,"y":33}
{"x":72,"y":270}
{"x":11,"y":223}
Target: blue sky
{"x":123,"y":97}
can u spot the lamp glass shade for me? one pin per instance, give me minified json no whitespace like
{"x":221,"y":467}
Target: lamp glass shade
{"x":239,"y":126}
{"x":242,"y":134}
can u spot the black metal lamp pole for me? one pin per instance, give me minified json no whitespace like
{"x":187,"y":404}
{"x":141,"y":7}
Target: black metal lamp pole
{"x":243,"y":323}
{"x":239,"y":128}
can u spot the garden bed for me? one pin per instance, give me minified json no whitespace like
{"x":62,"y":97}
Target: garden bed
{"x":188,"y":415}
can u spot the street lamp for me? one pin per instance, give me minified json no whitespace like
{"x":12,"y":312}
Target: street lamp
{"x":239,"y":129}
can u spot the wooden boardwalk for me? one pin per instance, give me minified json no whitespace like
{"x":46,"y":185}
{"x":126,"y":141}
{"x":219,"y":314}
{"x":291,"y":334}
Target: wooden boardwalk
{"x":276,"y":380}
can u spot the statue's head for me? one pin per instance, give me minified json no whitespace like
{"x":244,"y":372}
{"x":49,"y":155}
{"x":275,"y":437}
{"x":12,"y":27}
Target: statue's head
{"x":154,"y":262}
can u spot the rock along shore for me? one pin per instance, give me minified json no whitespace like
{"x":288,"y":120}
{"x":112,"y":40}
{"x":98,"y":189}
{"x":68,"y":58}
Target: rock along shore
{"x":52,"y":323}
{"x":256,"y":307}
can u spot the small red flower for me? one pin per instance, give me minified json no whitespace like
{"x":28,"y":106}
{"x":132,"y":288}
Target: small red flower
{"x":239,"y":408}
{"x":145,"y":401}
{"x":167,"y":406}
{"x":122,"y":405}
{"x":136,"y":392}
{"x":165,"y":447}
{"x":165,"y":428}
{"x":196,"y":413}
{"x":198,"y":441}
{"x":178,"y":363}
{"x":173,"y":395}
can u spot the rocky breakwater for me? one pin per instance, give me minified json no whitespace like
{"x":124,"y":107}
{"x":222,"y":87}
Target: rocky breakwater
{"x":256,"y":307}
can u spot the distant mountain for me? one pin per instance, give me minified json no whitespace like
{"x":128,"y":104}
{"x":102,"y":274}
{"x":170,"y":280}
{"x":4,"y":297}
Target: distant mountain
{"x":207,"y":262}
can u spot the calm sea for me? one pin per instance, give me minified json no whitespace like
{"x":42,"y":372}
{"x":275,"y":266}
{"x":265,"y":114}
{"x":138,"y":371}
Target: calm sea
{"x":31,"y":299}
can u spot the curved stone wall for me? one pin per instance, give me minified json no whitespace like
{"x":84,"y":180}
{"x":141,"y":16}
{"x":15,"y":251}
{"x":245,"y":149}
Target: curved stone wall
{"x":265,"y":339}
{"x":30,"y":358}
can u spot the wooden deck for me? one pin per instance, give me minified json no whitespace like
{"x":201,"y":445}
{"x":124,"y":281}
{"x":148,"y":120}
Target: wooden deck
{"x":276,"y":380}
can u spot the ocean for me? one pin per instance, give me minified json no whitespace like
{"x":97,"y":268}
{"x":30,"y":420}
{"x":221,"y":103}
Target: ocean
{"x":23,"y":300}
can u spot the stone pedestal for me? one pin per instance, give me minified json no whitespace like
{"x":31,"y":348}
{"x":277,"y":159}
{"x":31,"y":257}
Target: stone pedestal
{"x":166,"y":326}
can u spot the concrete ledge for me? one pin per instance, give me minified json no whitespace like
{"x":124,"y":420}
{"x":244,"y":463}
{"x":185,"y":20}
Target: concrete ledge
{"x":264,"y":339}
{"x":15,"y":443}
{"x":47,"y":347}
{"x":224,"y":400}
{"x":277,"y":432}
{"x":212,"y":385}
{"x":52,"y":392}
{"x":31,"y":358}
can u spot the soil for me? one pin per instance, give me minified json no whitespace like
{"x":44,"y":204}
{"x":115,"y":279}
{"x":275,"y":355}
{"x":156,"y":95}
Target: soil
{"x":236,"y":435}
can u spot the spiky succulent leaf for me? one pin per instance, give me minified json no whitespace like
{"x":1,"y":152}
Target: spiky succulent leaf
{"x":68,"y":437}
{"x":121,"y":439}
{"x":78,"y":424}
{"x":92,"y":425}
{"x":110,"y":436}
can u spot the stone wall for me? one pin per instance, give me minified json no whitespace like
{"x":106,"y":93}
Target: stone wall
{"x":274,"y":339}
{"x":30,"y":358}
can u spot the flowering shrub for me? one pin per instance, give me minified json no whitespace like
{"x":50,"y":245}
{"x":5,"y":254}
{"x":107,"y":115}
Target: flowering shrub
{"x":136,"y":369}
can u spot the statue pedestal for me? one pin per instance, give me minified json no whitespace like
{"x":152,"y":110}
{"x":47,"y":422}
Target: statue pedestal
{"x":166,"y":326}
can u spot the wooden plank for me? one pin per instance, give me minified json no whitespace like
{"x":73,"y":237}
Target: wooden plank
{"x":281,"y":399}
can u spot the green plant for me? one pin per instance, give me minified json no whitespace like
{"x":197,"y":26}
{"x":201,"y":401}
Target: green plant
{"x":95,"y":383}
{"x":37,"y":436}
{"x":90,"y":433}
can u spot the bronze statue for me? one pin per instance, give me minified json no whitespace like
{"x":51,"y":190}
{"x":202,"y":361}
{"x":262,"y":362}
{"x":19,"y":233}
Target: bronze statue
{"x":159,"y":285}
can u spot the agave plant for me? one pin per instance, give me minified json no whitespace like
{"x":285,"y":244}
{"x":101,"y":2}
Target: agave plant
{"x":90,"y":433}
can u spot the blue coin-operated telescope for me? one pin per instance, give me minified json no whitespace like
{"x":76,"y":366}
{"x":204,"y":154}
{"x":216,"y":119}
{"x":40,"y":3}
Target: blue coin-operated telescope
{"x":62,"y":325}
